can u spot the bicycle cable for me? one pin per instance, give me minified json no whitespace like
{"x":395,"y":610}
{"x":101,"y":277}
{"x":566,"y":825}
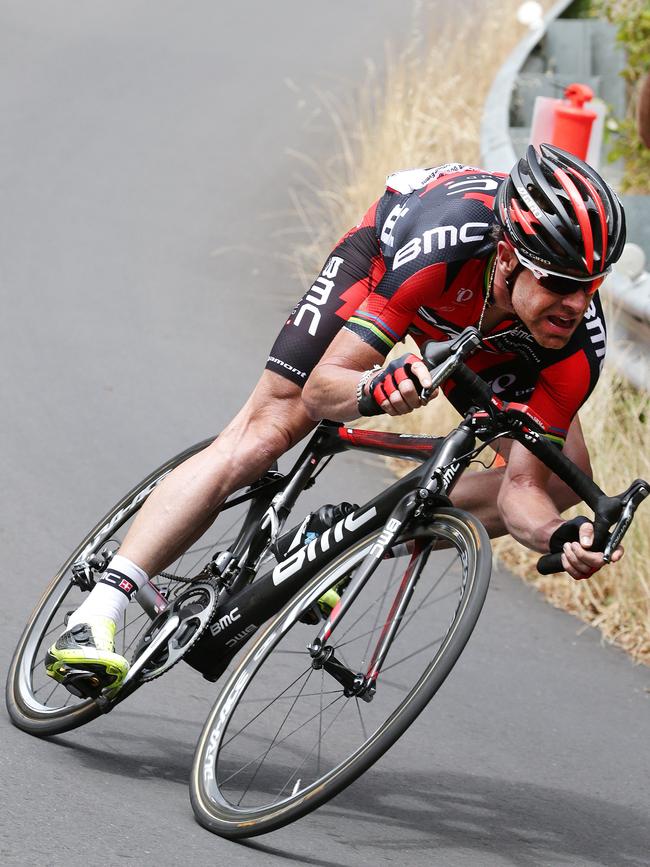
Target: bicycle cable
{"x":475,"y":452}
{"x":312,"y":480}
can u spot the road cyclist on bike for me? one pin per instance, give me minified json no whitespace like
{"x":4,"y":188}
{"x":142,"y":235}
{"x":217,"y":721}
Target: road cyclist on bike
{"x":521,"y":256}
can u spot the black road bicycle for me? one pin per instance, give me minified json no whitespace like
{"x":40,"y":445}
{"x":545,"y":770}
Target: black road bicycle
{"x":358,"y":614}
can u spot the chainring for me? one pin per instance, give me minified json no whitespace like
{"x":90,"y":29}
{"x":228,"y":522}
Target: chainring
{"x":195,"y":607}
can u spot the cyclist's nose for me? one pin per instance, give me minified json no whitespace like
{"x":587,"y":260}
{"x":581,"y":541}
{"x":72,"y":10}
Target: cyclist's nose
{"x":576,"y":302}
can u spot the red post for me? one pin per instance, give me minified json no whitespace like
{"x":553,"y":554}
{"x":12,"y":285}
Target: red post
{"x":573,"y":122}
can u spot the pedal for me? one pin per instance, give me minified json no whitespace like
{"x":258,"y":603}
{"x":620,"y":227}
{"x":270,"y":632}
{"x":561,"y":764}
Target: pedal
{"x":312,"y":615}
{"x":82,"y":684}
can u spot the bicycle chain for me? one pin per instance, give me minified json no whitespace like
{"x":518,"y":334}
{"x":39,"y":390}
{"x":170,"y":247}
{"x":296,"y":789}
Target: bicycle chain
{"x":201,"y":578}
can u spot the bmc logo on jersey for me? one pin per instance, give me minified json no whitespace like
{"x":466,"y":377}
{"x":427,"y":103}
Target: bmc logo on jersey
{"x":596,"y":331}
{"x":318,"y":295}
{"x":441,"y":237}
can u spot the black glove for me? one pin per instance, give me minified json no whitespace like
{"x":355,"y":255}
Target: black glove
{"x":569,"y":531}
{"x":386,"y":382}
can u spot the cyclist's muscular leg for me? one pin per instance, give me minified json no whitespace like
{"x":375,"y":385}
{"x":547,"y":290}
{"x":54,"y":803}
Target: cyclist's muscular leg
{"x":477,"y":492}
{"x":178,"y":512}
{"x":182,"y":507}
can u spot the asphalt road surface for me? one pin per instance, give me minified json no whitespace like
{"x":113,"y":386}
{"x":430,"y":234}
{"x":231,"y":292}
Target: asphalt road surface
{"x":144,"y":213}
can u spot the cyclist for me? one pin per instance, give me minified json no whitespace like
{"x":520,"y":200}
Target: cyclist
{"x":520,"y":255}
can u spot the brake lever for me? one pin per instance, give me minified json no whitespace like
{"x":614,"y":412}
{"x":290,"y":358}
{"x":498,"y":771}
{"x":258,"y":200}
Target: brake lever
{"x":628,"y":504}
{"x":465,"y":345}
{"x":630,"y":501}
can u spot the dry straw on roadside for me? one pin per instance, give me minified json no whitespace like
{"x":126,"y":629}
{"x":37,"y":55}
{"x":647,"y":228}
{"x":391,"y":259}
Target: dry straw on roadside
{"x":424,"y":110}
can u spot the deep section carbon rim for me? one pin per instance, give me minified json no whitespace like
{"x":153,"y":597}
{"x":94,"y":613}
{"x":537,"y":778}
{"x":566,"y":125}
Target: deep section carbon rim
{"x":283,"y":736}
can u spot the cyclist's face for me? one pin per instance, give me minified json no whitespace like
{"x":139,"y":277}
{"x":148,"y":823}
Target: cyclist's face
{"x":550,"y":318}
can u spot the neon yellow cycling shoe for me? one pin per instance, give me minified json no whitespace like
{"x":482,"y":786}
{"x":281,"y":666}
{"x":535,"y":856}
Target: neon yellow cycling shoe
{"x":328,"y":601}
{"x":323,"y":606}
{"x":83,"y":659}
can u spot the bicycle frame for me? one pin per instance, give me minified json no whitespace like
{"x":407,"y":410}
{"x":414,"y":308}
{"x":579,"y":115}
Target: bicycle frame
{"x":243,"y":610}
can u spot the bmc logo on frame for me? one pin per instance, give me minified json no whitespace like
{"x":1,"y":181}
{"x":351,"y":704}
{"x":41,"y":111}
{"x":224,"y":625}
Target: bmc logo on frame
{"x":225,"y":621}
{"x":295,"y":562}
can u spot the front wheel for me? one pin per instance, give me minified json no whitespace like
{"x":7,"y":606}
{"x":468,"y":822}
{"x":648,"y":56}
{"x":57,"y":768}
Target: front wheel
{"x":285,"y":736}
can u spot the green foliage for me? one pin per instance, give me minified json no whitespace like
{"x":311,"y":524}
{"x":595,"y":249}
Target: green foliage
{"x":632,"y":19}
{"x":579,"y":9}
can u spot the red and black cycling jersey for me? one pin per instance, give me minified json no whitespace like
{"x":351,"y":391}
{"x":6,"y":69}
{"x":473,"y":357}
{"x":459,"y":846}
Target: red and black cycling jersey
{"x":418,"y":263}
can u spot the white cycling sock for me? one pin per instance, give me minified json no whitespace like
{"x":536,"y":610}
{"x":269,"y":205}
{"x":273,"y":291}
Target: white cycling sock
{"x":112,"y":594}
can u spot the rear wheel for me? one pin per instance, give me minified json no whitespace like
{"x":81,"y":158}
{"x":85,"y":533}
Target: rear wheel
{"x":283,"y":736}
{"x":41,"y":706}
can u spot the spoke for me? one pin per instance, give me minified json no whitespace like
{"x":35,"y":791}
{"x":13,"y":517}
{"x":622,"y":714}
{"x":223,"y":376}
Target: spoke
{"x":43,"y":686}
{"x":56,"y":686}
{"x":203,"y":548}
{"x":380,"y":607}
{"x":320,"y":719}
{"x":405,"y":622}
{"x":270,"y":747}
{"x":377,"y":601}
{"x":426,"y":604}
{"x":130,"y":623}
{"x":37,"y":664}
{"x":271,"y":702}
{"x":361,"y":722}
{"x":436,"y":641}
{"x":136,"y":637}
{"x":178,"y":566}
{"x":311,"y":751}
{"x":284,"y":739}
{"x":286,"y":697}
{"x":377,"y":628}
{"x":201,"y":551}
{"x":59,"y":626}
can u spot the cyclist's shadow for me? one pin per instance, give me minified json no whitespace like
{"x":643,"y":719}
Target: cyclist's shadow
{"x":531,"y":824}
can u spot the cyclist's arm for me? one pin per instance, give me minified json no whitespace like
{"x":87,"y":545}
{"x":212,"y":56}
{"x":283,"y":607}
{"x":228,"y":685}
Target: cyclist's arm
{"x":531,"y":516}
{"x":331,"y":390}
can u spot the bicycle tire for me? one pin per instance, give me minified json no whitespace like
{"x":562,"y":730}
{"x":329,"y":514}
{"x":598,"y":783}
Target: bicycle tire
{"x":37,"y":704}
{"x":213,"y":765}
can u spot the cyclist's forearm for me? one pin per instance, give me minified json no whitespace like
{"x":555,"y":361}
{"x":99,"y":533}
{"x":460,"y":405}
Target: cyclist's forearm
{"x":529,"y":514}
{"x":331,"y":392}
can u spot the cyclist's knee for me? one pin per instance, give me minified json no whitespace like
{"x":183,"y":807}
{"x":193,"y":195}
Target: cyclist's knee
{"x":271,"y":421}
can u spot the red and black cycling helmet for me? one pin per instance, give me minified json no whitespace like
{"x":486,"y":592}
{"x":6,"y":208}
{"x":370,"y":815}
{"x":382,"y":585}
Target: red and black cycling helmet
{"x":560,"y":215}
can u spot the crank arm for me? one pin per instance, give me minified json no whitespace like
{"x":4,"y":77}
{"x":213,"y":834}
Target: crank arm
{"x":108,"y":700}
{"x":166,"y":632}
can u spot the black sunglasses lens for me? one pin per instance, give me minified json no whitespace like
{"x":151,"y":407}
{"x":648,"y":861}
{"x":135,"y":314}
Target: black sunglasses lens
{"x":566,"y":286}
{"x":559,"y":285}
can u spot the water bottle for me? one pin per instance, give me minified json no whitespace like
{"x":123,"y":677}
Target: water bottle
{"x":313,"y":526}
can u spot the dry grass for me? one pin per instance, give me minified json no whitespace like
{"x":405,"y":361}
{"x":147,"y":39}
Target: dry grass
{"x":616,"y":599}
{"x":423,"y":110}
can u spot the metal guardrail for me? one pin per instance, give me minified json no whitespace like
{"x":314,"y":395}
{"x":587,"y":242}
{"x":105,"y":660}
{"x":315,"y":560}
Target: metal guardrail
{"x":497,"y":152}
{"x":628,"y":288}
{"x":629,"y":327}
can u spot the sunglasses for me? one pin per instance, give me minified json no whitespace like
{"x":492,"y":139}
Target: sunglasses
{"x":562,"y":284}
